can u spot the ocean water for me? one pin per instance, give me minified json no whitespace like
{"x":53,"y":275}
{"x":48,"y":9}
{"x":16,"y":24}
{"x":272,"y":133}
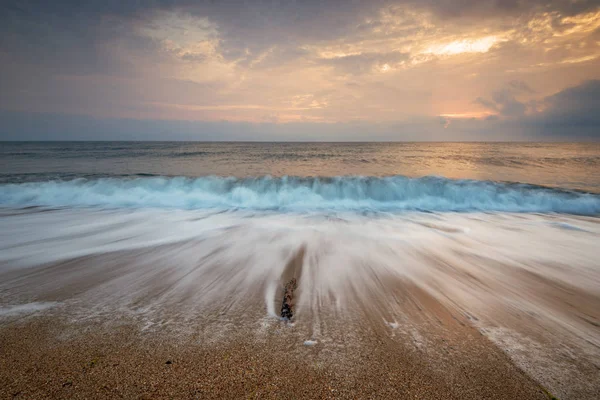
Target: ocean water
{"x":505,"y":235}
{"x":362,"y":177}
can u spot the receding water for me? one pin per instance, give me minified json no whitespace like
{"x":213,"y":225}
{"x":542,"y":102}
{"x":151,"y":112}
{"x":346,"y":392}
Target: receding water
{"x":505,"y":234}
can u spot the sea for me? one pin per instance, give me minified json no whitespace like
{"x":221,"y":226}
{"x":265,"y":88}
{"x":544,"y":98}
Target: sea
{"x":504,"y":235}
{"x":304,"y":177}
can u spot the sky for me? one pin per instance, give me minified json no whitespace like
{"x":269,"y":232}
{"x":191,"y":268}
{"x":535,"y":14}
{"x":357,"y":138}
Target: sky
{"x":300,"y":70}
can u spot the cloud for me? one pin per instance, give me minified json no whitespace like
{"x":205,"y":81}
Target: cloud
{"x":52,"y":126}
{"x":366,"y":62}
{"x":247,"y":29}
{"x":571,"y":114}
{"x":519,"y":87}
{"x":574,"y":107}
{"x":336,"y":61}
{"x":487,"y":8}
{"x":504,"y":101}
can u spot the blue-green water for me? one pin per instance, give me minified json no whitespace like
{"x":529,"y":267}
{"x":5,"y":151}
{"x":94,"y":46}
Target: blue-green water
{"x":515,"y":177}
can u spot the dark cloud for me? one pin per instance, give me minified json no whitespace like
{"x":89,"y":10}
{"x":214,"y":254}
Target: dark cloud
{"x":574,"y":107}
{"x":254,"y":25}
{"x":572,"y":112}
{"x":67,"y":38}
{"x":507,"y":103}
{"x":504,"y":101}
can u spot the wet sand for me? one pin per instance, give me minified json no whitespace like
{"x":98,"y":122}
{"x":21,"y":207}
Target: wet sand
{"x":441,"y":357}
{"x":107,"y":304}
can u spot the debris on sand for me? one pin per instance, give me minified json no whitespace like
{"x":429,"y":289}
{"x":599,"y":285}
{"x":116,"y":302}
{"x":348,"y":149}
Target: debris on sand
{"x":287,"y":306}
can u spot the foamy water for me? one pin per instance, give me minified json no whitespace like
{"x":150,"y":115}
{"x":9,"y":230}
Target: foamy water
{"x":21,"y":309}
{"x":345,"y":193}
{"x":519,"y":262}
{"x":177,"y":264}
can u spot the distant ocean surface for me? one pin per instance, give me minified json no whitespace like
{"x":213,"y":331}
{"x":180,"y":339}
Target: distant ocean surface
{"x":378,"y":177}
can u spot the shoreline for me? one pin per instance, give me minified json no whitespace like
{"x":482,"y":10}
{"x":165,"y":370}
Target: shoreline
{"x":433,"y":306}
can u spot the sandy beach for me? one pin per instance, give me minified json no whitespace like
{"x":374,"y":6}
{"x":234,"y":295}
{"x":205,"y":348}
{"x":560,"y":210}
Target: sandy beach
{"x":48,"y":357}
{"x":300,"y":199}
{"x":187,"y":304}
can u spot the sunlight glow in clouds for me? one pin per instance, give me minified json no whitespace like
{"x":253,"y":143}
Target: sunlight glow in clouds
{"x":480,"y":45}
{"x":278,"y":62}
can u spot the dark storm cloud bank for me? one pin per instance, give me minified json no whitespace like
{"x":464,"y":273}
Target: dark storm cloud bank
{"x":572,"y":114}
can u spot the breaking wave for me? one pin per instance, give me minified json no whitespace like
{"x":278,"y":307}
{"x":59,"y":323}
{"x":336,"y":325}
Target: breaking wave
{"x":350,"y":193}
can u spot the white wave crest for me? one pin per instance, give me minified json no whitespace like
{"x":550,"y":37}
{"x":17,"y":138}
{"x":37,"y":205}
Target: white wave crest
{"x":352,"y":193}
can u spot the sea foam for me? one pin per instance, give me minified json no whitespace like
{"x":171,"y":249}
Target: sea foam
{"x":349,"y":193}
